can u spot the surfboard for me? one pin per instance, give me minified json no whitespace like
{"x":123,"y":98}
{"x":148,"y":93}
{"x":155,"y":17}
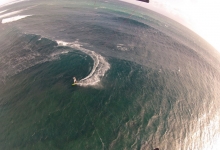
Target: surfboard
{"x":73,"y":84}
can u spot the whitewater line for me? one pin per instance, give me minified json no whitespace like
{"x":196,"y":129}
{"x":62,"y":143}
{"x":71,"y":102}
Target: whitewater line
{"x":14,"y":18}
{"x":100,"y":65}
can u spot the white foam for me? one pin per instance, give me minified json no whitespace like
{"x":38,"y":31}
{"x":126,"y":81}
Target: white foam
{"x":56,"y":55}
{"x":11,"y":13}
{"x":14,"y":12}
{"x":3,"y":11}
{"x":10,"y":2}
{"x":15,"y":18}
{"x":122,"y":47}
{"x":99,"y":68}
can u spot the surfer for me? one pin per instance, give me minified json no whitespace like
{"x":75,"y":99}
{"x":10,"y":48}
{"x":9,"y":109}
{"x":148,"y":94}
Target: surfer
{"x":74,"y":80}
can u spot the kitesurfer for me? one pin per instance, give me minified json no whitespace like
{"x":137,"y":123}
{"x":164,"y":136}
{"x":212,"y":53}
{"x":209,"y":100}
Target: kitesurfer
{"x":74,"y":80}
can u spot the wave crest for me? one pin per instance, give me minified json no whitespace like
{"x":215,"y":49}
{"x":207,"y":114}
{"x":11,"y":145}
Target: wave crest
{"x":100,"y":67}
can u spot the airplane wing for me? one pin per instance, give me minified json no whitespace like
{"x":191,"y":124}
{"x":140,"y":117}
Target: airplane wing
{"x":146,"y":1}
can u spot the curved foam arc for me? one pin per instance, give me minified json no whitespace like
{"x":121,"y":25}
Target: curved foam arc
{"x":99,"y":68}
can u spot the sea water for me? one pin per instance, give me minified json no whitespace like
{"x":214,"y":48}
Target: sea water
{"x":143,"y":81}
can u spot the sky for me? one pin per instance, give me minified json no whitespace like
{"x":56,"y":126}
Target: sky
{"x":2,"y":2}
{"x":201,"y":16}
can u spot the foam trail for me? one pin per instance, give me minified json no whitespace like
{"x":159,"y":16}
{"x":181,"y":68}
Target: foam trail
{"x":15,"y":18}
{"x":99,"y":68}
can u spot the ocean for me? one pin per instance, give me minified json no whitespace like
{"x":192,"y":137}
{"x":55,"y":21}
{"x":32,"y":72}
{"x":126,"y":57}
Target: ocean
{"x":143,"y":80}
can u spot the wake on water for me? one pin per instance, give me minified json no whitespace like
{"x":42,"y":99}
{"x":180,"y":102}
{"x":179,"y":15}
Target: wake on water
{"x":17,"y":63}
{"x":99,"y":68}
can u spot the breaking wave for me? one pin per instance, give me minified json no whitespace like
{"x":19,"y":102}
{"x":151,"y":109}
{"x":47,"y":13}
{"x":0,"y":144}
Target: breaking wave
{"x":37,"y":50}
{"x":99,"y":68}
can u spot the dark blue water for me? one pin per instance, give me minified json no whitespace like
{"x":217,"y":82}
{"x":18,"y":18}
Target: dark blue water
{"x":141,"y":84}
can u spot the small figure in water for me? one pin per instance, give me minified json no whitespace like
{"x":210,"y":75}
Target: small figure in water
{"x":74,"y":80}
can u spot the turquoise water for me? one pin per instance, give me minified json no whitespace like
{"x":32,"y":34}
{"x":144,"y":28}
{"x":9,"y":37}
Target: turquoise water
{"x":141,"y":85}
